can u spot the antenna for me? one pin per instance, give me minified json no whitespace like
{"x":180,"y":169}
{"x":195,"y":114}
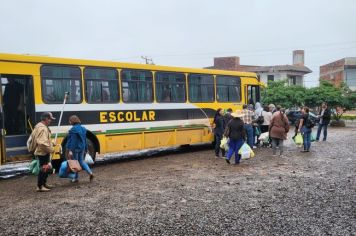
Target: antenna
{"x":148,"y":60}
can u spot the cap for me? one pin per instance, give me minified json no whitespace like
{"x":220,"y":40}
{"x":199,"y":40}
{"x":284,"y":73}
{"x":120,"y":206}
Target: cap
{"x":47,"y":115}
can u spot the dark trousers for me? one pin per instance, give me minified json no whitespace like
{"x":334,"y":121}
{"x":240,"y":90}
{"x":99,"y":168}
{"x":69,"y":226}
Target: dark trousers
{"x":218,"y":138}
{"x":320,"y":127}
{"x":42,"y":176}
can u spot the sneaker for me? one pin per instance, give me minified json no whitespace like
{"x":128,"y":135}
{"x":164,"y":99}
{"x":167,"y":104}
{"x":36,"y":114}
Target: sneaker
{"x":74,"y":180}
{"x":42,"y":189}
{"x":91,"y":177}
{"x":217,"y":156}
{"x":227,"y":161}
{"x":304,"y":151}
{"x":254,"y":147}
{"x":282,"y":156}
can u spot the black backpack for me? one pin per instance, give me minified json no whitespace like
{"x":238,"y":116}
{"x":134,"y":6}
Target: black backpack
{"x":309,"y":123}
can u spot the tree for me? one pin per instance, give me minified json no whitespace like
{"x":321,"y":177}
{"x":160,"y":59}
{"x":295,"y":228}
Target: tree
{"x":279,"y":93}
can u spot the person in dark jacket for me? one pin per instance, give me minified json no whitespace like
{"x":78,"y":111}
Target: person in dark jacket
{"x":305,"y":130}
{"x":219,"y":131}
{"x":236,"y":133}
{"x":77,"y":145}
{"x":228,"y":116}
{"x":324,"y":116}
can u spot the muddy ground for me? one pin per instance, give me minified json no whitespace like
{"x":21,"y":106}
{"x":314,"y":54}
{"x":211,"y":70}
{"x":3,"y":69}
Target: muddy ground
{"x":194,"y":193}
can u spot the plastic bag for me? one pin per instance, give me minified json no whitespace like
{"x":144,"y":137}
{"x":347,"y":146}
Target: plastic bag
{"x":246,"y":152}
{"x":224,"y":143}
{"x":88,"y":159}
{"x":264,"y":137}
{"x":298,"y":139}
{"x":257,"y":131}
{"x":34,"y":166}
{"x":312,"y":137}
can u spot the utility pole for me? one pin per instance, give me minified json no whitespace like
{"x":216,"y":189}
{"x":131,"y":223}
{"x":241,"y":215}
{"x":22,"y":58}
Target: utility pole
{"x":148,"y":60}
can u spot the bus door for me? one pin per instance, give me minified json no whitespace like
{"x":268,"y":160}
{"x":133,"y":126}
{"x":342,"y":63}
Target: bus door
{"x":17,"y":115}
{"x":252,"y":94}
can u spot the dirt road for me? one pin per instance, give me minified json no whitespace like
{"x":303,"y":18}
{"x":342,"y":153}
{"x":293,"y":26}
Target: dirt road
{"x":193,"y":193}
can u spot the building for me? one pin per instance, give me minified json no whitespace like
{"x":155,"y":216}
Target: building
{"x":294,"y":73}
{"x":343,"y":70}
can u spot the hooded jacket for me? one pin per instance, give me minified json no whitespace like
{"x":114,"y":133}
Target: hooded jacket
{"x":77,"y":141}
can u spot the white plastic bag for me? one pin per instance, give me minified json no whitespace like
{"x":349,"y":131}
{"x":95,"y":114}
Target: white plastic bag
{"x":224,"y":143}
{"x":246,"y":152}
{"x":88,"y":159}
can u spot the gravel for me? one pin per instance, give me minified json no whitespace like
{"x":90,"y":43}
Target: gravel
{"x":194,"y":193}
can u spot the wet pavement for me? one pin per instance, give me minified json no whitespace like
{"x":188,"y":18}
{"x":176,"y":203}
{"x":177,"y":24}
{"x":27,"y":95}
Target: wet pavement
{"x":193,"y":193}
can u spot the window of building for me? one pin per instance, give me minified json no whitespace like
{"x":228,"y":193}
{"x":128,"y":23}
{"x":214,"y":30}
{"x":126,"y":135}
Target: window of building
{"x":201,"y":88}
{"x":101,"y":85}
{"x":57,"y":80}
{"x":293,"y":80}
{"x":170,"y":87}
{"x":228,"y":88}
{"x":136,"y":86}
{"x":270,"y":78}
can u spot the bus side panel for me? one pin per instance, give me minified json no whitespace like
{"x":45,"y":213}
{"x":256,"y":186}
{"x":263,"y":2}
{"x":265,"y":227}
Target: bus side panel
{"x":121,"y":142}
{"x":161,"y":139}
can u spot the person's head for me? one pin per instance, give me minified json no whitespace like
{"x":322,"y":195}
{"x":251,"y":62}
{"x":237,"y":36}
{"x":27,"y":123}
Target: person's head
{"x":244,"y":106}
{"x":265,"y":108}
{"x":229,"y":110}
{"x":305,"y":110}
{"x":73,"y":120}
{"x":324,"y":105}
{"x":278,"y":107}
{"x":271,"y":107}
{"x":258,"y":105}
{"x":250,"y":107}
{"x":46,"y":118}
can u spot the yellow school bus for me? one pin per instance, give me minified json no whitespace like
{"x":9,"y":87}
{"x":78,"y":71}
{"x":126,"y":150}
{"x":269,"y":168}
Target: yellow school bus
{"x":124,"y":106}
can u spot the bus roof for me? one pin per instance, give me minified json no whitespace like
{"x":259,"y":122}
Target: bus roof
{"x":83,"y":62}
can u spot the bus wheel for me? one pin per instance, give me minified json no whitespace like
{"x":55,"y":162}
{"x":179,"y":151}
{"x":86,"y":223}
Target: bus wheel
{"x":91,"y":148}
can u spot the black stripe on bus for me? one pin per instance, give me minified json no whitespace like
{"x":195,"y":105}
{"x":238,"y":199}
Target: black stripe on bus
{"x":129,"y":116}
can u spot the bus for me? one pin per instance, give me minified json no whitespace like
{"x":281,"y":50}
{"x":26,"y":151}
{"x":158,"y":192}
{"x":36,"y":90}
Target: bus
{"x":124,"y":106}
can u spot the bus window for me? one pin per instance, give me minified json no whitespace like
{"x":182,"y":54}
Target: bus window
{"x":136,"y":86}
{"x":201,"y":88}
{"x":56,"y":80}
{"x":101,"y":85}
{"x":228,"y":89}
{"x":170,"y":87}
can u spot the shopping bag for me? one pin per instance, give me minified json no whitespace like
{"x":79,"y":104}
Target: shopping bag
{"x":34,"y":166}
{"x":312,"y":137}
{"x":298,"y":139}
{"x":224,"y":143}
{"x":257,"y":131}
{"x":264,"y":137}
{"x":63,"y":171}
{"x":88,"y":159}
{"x":245,"y":151}
{"x":74,"y":166}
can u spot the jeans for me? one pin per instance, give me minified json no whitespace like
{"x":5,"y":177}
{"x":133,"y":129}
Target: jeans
{"x":320,"y":127}
{"x":306,"y":138}
{"x":234,"y":147}
{"x":250,"y":137}
{"x":42,"y":176}
{"x":80,"y":157}
{"x":218,"y":138}
{"x":277,"y":142}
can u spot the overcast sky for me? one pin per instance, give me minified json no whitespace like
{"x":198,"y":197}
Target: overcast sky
{"x":182,"y":32}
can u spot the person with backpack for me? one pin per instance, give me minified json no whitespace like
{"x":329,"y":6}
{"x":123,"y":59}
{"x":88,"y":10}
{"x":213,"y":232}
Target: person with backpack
{"x":41,"y":145}
{"x":278,"y":128}
{"x":324,"y":116}
{"x":236,"y":133}
{"x":76,"y":146}
{"x":305,"y":127}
